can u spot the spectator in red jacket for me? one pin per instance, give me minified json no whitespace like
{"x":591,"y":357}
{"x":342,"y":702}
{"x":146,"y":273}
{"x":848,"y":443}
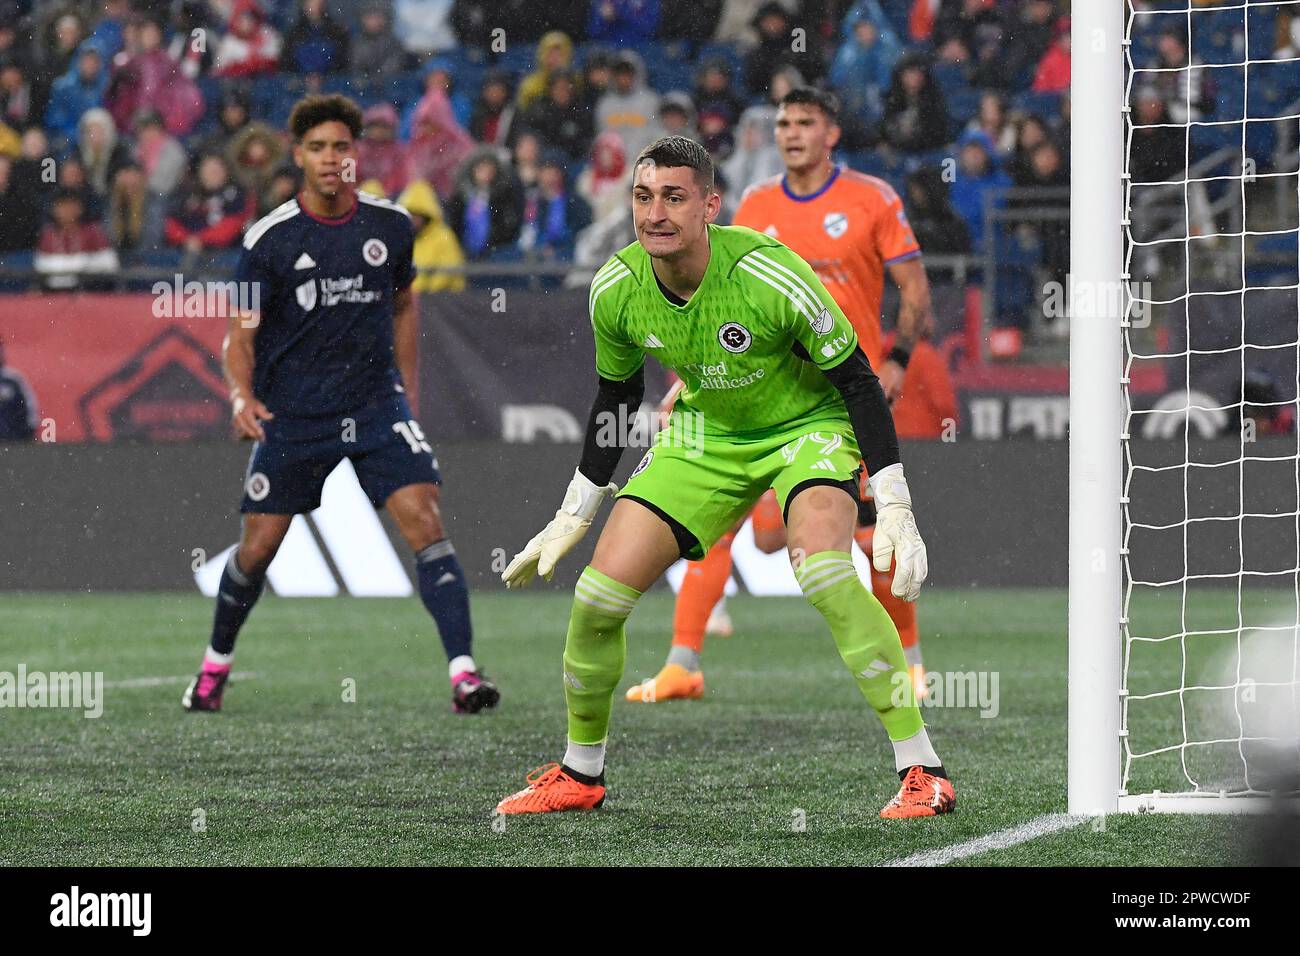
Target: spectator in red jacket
{"x":438,"y":143}
{"x":921,"y":19}
{"x":145,"y":77}
{"x":250,"y":45}
{"x":1053,"y":74}
{"x":211,"y":212}
{"x":379,"y":153}
{"x":71,"y":251}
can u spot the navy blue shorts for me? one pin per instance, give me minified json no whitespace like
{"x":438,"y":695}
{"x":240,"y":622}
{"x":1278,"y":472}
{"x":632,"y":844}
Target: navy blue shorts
{"x":383,"y":441}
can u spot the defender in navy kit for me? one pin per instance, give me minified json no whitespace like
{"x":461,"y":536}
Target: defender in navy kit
{"x":324,"y":368}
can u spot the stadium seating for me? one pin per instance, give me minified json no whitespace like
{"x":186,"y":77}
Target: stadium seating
{"x":951,"y":78}
{"x":1045,"y":105}
{"x":667,"y":75}
{"x":1017,"y":254}
{"x":898,"y":12}
{"x":1220,"y":40}
{"x":273,"y":97}
{"x":963,"y":106}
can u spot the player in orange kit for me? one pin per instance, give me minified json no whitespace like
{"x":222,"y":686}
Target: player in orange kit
{"x":851,"y":228}
{"x":928,"y":408}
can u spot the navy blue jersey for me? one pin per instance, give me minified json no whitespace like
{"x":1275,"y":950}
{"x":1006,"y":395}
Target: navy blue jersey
{"x":324,"y":345}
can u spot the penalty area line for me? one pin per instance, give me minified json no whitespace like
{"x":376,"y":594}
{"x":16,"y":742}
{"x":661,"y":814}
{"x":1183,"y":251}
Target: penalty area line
{"x":163,"y":681}
{"x":1002,"y":839}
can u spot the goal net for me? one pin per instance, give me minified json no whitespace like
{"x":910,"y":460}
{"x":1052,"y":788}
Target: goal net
{"x":1207,"y":461}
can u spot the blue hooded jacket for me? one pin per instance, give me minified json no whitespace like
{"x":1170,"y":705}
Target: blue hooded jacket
{"x":70,"y":97}
{"x":867,"y":10}
{"x":861,"y":75}
{"x":968,"y":191}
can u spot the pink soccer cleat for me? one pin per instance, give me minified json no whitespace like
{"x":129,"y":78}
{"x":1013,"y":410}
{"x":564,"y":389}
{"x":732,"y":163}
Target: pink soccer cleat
{"x":472,"y":692}
{"x":204,"y":692}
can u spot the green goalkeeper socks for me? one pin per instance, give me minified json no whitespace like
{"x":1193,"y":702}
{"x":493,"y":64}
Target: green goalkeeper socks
{"x":866,"y":637}
{"x":594,"y":652}
{"x":595,"y":649}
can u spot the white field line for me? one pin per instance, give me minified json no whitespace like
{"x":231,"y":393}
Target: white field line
{"x":163,"y":681}
{"x":1001,"y":840}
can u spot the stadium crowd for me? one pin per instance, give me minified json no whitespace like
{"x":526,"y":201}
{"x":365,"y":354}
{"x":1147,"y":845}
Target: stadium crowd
{"x":151,"y":131}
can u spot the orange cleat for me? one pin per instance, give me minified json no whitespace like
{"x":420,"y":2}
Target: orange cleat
{"x":550,"y":789}
{"x":921,"y":795}
{"x":674,"y":682}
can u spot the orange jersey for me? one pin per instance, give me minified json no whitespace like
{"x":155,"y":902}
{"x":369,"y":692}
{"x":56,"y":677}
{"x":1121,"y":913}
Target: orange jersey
{"x":848,"y":231}
{"x":928,"y":401}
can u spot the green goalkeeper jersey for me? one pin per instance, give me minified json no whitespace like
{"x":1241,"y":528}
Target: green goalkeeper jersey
{"x":749,"y":346}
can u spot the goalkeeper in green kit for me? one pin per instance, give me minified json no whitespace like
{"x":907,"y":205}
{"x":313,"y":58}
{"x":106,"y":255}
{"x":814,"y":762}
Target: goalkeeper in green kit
{"x":777,"y":395}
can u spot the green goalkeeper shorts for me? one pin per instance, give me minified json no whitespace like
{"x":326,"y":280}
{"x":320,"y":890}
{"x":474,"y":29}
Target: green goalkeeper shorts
{"x":708,"y":484}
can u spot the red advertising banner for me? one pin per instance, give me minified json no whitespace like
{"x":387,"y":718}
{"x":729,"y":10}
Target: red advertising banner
{"x":108,"y":367}
{"x":145,"y":367}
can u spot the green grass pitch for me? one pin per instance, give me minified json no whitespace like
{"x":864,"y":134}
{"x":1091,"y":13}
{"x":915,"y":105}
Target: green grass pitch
{"x":291,"y":773}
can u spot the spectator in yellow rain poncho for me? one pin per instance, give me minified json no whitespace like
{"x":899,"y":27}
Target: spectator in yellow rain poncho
{"x":436,"y":244}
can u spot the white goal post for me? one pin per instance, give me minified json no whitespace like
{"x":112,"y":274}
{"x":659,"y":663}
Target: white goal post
{"x":1184,"y":549}
{"x":1096,"y":257}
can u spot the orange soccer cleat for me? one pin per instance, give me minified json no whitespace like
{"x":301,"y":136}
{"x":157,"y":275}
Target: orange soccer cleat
{"x":674,"y":682}
{"x":550,"y":789}
{"x":922,"y":794}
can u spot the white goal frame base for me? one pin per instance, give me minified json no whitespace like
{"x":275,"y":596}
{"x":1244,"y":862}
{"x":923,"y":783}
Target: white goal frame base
{"x":1254,"y":804}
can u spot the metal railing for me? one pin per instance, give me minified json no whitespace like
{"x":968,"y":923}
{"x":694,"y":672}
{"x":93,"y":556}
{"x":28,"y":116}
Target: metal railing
{"x":998,"y":216}
{"x":1152,"y":197}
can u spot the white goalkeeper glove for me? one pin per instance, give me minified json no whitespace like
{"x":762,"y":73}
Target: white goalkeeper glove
{"x":896,"y":536}
{"x":566,"y":529}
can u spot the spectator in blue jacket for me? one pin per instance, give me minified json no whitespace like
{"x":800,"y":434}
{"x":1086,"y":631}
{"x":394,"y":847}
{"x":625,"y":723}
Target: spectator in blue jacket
{"x":486,"y":206}
{"x":110,"y":32}
{"x":623,"y":22}
{"x":76,"y":91}
{"x":316,"y":44}
{"x":552,"y":213}
{"x":979,"y":177}
{"x":867,"y":10}
{"x":863,"y":68}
